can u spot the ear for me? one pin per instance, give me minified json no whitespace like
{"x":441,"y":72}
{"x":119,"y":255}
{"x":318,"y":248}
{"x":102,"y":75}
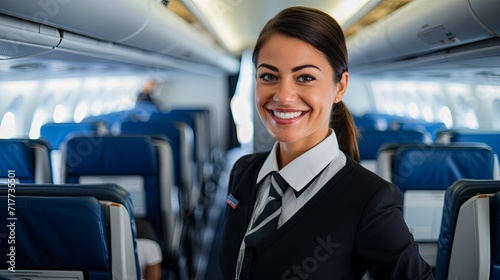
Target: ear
{"x":341,"y":87}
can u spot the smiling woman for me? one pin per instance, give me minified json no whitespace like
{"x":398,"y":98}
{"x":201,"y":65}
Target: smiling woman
{"x":275,"y":232}
{"x":295,"y":91}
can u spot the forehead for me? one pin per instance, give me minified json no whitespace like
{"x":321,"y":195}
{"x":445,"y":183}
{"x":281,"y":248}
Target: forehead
{"x":288,"y":51}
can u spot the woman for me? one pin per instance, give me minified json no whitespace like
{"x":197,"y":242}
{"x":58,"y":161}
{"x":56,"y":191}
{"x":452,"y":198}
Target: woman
{"x":332,"y":219}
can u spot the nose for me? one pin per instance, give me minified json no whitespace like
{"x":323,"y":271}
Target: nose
{"x":285,"y":92}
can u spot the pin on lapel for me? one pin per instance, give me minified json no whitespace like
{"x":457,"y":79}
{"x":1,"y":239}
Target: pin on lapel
{"x":232,"y":201}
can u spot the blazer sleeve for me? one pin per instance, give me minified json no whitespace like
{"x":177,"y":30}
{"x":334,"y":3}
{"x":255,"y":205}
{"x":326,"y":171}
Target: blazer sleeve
{"x":384,"y":241}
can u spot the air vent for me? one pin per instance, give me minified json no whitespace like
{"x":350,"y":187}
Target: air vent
{"x":489,"y":77}
{"x":28,"y":67}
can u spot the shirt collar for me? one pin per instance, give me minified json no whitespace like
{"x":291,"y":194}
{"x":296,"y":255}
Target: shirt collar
{"x":303,"y":169}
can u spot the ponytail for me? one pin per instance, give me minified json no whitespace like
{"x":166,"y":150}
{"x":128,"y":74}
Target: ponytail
{"x":347,"y":133}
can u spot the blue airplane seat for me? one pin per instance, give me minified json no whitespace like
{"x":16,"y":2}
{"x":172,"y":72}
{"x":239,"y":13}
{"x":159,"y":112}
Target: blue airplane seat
{"x":489,"y":137}
{"x":49,"y":237}
{"x":437,"y":166}
{"x":181,"y":139}
{"x":372,"y":140}
{"x":495,"y":234}
{"x":119,"y":228}
{"x":423,"y":173}
{"x":56,"y":133}
{"x":142,"y":165}
{"x":432,"y":128}
{"x":25,"y":161}
{"x":199,"y":120}
{"x":459,"y":192}
{"x":119,"y":218}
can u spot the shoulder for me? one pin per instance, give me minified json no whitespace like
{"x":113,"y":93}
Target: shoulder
{"x":246,"y":167}
{"x":370,"y":185}
{"x":250,"y":161}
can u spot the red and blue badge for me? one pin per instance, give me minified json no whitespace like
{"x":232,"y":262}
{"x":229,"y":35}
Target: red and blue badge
{"x":232,"y":201}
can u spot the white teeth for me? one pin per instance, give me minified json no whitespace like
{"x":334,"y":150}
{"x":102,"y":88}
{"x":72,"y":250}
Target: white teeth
{"x":287,"y":115}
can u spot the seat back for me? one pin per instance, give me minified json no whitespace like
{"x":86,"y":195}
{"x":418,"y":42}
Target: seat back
{"x":56,"y":134}
{"x":455,"y":196}
{"x":470,"y":252}
{"x":180,"y":136}
{"x":81,"y":230}
{"x":488,"y":137}
{"x":437,"y":166}
{"x":47,"y":236}
{"x":495,"y":235}
{"x":423,"y":173}
{"x":372,"y":140}
{"x":25,"y":161}
{"x":141,"y":164}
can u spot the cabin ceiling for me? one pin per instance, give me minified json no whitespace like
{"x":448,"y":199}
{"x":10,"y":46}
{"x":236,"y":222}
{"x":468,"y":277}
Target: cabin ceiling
{"x":235,"y":24}
{"x":165,"y":37}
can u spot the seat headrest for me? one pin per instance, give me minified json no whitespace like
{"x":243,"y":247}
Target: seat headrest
{"x":57,"y":233}
{"x":372,"y":140}
{"x":18,"y":156}
{"x":436,"y":167}
{"x":57,"y":133}
{"x":110,"y":155}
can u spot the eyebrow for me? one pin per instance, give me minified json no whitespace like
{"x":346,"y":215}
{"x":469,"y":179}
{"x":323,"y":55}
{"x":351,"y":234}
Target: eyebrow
{"x":295,"y":69}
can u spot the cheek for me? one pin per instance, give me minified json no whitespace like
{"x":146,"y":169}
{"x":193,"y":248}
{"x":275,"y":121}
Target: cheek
{"x":261,"y":95}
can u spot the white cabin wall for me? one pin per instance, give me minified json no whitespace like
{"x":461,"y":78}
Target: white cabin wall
{"x":358,"y":97}
{"x":488,"y":98}
{"x":21,"y":98}
{"x":194,"y":90}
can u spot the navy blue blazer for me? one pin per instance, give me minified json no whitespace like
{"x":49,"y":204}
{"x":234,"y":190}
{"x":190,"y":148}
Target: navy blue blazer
{"x":352,"y":225}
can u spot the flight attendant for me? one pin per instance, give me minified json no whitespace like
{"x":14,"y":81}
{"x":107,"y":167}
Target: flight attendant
{"x":307,"y":209}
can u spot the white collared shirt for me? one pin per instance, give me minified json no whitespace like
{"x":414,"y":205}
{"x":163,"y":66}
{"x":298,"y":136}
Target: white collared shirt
{"x":298,"y":173}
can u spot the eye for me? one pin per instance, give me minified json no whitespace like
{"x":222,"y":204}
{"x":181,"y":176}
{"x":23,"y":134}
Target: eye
{"x":266,"y":77}
{"x":306,"y":78}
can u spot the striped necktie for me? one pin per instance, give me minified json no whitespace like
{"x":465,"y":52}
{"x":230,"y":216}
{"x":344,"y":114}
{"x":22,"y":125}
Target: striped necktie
{"x":267,"y":221}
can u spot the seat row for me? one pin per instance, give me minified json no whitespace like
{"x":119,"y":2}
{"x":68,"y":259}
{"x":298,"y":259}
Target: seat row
{"x":67,"y":232}
{"x":164,"y":161}
{"x":469,"y":240}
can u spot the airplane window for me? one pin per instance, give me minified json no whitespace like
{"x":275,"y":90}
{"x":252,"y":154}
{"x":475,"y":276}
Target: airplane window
{"x":59,"y":114}
{"x":80,"y":112}
{"x":36,"y":124}
{"x":463,"y":106}
{"x":496,"y":114}
{"x":381,"y":91}
{"x":427,"y":113}
{"x":241,"y":103}
{"x":357,"y":97}
{"x":431,"y":94}
{"x":413,"y":110}
{"x":470,"y":118}
{"x":8,"y":125}
{"x":445,"y":116}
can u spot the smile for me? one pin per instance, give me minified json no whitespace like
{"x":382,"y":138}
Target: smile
{"x":287,"y":115}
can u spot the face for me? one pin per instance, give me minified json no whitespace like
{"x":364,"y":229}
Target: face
{"x":295,"y":91}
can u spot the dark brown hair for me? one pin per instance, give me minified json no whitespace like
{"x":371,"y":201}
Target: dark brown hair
{"x":321,"y":31}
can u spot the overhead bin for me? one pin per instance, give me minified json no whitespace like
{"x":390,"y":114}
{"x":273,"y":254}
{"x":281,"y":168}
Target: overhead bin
{"x":422,"y":27}
{"x":19,"y":38}
{"x":145,"y":25}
